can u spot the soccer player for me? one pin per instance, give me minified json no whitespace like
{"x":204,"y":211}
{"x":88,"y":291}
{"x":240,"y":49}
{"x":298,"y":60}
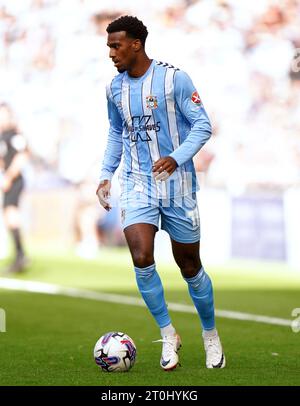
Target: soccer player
{"x":158,"y":123}
{"x":13,"y":156}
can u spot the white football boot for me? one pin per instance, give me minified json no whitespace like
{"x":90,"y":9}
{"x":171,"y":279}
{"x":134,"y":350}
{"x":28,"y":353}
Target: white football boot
{"x":215,"y":357}
{"x":169,"y":356}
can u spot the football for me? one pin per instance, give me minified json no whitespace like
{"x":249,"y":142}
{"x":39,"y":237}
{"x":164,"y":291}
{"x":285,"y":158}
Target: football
{"x":115,"y":352}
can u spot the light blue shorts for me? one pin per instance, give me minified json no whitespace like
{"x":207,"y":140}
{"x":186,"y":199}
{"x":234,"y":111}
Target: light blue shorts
{"x":179,"y":217}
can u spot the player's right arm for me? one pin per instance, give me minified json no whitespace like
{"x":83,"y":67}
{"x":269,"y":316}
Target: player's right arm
{"x":113,"y":153}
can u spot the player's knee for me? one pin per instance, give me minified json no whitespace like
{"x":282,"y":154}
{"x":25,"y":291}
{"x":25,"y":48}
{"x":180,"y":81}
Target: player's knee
{"x":142,"y":259}
{"x":189,"y":272}
{"x":189,"y":269}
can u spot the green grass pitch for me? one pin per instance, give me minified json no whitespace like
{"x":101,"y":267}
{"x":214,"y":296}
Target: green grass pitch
{"x":50,"y":339}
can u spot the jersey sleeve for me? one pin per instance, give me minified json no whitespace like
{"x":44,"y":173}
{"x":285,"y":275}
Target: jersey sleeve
{"x":188,"y":101}
{"x":114,"y":147}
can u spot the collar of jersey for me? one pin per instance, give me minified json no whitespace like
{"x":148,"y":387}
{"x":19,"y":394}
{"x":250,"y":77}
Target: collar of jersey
{"x":144,"y":75}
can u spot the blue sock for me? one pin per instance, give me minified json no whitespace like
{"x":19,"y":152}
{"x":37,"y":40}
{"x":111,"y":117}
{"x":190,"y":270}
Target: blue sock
{"x":152,"y":291}
{"x":201,"y":291}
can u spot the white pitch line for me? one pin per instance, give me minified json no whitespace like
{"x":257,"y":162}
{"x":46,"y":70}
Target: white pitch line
{"x":51,"y":289}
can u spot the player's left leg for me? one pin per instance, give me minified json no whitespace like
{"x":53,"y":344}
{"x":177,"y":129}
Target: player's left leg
{"x":181,"y":220}
{"x":199,"y":283}
{"x":200,"y":288}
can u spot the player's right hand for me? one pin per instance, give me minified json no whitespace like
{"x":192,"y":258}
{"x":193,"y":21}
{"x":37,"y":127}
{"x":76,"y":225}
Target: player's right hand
{"x":103,"y":193}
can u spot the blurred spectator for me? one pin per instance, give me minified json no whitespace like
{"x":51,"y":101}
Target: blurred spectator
{"x":13,"y":157}
{"x":109,"y":230}
{"x":86,"y":214}
{"x":101,"y":21}
{"x":95,"y":227}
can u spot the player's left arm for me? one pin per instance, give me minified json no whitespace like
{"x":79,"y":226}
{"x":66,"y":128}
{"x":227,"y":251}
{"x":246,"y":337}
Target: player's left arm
{"x":190,"y":105}
{"x":188,"y":101}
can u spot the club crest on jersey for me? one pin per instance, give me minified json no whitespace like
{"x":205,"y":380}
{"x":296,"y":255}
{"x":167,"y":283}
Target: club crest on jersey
{"x":196,"y":98}
{"x":151,"y":102}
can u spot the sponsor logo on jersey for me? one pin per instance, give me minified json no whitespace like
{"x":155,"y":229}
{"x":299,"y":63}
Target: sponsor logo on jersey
{"x":151,"y":102}
{"x":140,"y":128}
{"x":196,"y":98}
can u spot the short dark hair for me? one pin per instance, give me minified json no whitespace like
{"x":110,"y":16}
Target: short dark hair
{"x":132,"y":25}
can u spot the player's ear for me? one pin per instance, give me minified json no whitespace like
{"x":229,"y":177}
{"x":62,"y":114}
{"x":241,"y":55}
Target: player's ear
{"x":137,"y":45}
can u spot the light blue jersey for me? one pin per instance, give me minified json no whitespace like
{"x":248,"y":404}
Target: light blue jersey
{"x":156,"y":115}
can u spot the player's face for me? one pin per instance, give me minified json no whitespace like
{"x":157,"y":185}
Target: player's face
{"x":122,"y":50}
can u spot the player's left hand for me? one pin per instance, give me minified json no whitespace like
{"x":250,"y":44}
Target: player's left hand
{"x":164,"y":167}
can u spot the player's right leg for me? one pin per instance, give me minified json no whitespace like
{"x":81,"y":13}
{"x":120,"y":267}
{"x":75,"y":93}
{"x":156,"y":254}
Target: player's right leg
{"x":140,"y":239}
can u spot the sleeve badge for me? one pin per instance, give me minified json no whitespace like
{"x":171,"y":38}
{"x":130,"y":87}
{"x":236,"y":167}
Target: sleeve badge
{"x":196,"y":98}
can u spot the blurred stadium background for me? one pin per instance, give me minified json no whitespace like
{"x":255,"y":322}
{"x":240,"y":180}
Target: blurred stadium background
{"x":244,"y":58}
